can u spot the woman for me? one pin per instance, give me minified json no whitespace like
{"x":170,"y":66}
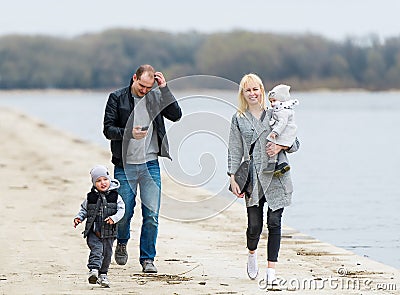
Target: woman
{"x":251,"y":125}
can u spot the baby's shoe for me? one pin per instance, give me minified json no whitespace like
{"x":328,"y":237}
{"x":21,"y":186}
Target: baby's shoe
{"x":281,"y":169}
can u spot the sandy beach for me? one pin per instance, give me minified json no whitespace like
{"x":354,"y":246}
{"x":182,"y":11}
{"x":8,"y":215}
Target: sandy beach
{"x":44,"y":175}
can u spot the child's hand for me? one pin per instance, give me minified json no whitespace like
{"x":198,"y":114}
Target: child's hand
{"x":77,"y":221}
{"x":109,"y":220}
{"x":272,"y":135}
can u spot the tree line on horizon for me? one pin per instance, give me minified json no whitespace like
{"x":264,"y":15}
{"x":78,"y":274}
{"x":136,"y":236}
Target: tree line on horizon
{"x":108,"y":59}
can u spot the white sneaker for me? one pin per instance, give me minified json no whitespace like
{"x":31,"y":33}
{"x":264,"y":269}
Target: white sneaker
{"x":103,"y":281}
{"x":270,"y":276}
{"x":92,"y":276}
{"x":252,"y":266}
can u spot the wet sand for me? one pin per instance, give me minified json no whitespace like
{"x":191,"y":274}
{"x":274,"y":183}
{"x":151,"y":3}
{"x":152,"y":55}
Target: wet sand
{"x":45,"y":176}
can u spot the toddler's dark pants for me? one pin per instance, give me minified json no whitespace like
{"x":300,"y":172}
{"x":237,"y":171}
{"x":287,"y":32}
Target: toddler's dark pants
{"x":100,"y":252}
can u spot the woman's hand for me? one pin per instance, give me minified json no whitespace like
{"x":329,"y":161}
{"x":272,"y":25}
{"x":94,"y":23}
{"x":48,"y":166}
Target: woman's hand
{"x":235,"y":187}
{"x":274,"y":149}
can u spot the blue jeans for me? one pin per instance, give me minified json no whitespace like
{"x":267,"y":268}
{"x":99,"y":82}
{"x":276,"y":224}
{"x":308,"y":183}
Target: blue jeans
{"x":147,"y":176}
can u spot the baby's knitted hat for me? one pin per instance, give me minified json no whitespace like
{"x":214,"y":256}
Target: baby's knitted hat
{"x":280,"y":92}
{"x":98,"y":171}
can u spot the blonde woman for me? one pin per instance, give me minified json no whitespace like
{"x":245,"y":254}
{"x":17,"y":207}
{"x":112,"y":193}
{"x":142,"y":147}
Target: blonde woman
{"x":250,"y":125}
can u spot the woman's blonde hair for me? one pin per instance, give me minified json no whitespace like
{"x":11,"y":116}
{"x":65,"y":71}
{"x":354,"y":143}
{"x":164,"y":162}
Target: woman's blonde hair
{"x":249,"y":78}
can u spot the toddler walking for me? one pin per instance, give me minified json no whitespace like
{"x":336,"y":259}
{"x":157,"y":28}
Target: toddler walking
{"x":102,"y":209}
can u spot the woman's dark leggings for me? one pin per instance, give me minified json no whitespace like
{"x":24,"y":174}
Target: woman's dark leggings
{"x":255,"y":216}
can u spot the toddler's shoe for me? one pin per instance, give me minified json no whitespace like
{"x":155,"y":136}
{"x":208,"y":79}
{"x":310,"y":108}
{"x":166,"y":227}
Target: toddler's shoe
{"x":281,"y":169}
{"x":103,"y":281}
{"x":92,"y":276}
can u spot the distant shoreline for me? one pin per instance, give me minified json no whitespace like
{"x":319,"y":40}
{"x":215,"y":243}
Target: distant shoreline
{"x":77,"y":90}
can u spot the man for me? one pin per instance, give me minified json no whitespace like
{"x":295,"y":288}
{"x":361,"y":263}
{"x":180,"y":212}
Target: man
{"x":134,"y":123}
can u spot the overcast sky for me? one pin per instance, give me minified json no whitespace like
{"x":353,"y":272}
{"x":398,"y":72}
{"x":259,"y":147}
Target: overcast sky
{"x":334,"y":19}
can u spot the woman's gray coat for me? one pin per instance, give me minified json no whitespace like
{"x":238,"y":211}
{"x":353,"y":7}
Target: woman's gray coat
{"x":246,"y":129}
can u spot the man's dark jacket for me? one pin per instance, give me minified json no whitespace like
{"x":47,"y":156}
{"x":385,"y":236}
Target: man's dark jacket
{"x":118,"y":114}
